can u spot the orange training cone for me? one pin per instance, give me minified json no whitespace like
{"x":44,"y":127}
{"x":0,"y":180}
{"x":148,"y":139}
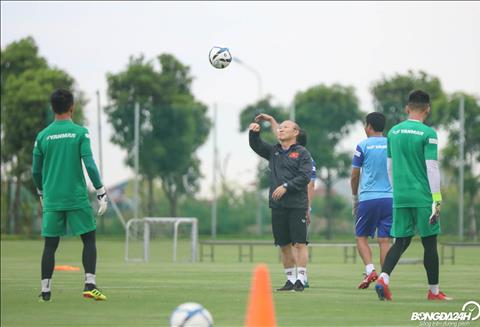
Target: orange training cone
{"x":260,"y":310}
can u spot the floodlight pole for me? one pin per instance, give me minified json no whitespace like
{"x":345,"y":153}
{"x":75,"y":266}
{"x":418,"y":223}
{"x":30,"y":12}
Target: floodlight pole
{"x":100,"y":157}
{"x":99,"y":117}
{"x":292,"y":111}
{"x":112,"y":200}
{"x":255,"y":72}
{"x":136,"y":154}
{"x":260,"y":94}
{"x":215,"y":167}
{"x":461,"y":110}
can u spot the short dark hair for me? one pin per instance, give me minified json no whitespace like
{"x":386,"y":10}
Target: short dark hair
{"x":376,"y":120}
{"x":418,"y":100}
{"x":61,"y":101}
{"x":302,"y":138}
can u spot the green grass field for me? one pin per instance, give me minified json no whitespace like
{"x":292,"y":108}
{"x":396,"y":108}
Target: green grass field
{"x":144,"y":294}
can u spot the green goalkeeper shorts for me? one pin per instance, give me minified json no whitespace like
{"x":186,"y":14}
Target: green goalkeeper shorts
{"x":407,"y":220}
{"x":79,"y":221}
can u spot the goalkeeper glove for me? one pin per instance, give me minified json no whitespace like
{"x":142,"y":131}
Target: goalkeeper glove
{"x":354,"y":205}
{"x":40,"y":195}
{"x":435,"y":212}
{"x":102,"y":200}
{"x":437,"y":199}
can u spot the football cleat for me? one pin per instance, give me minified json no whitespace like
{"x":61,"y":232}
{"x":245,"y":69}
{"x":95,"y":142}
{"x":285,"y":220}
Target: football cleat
{"x":440,"y":296}
{"x":287,"y":287}
{"x":306,"y":285}
{"x":92,"y":292}
{"x":382,"y":290}
{"x":44,"y":297}
{"x":368,"y":279}
{"x":298,"y":286}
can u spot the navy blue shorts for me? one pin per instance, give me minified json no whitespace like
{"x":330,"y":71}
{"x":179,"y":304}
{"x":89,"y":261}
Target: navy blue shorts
{"x":375,"y":214}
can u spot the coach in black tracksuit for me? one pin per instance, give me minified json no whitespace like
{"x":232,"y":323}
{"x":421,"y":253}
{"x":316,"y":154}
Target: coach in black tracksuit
{"x":290,"y":167}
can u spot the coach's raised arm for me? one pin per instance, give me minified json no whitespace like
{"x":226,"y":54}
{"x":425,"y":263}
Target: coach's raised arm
{"x":261,"y":148}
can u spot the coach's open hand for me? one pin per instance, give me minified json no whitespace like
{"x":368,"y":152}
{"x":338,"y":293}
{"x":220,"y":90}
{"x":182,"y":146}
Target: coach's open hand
{"x":254,"y":127}
{"x":264,"y":117}
{"x":279,"y":192}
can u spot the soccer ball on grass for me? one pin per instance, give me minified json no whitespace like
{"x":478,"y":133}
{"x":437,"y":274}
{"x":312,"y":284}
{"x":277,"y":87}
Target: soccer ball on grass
{"x":191,"y":314}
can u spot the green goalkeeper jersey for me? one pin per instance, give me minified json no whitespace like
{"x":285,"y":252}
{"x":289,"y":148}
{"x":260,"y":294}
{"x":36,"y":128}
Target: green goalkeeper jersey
{"x":58,"y":154}
{"x":409,"y":145}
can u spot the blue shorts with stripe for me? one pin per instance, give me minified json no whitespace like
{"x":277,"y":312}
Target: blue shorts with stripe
{"x":374,"y":215}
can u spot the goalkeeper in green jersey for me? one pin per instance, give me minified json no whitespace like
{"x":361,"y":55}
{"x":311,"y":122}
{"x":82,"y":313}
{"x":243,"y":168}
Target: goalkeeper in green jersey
{"x":412,"y":164}
{"x":57,"y":171}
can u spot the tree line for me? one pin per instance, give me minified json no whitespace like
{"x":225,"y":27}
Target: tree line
{"x":174,"y":124}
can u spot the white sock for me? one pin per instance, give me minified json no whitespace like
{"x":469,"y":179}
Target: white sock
{"x":291,"y":276}
{"x":385,"y":277}
{"x":302,"y":274}
{"x":46,"y":283}
{"x":434,"y":288}
{"x":90,"y":279}
{"x":369,"y":268}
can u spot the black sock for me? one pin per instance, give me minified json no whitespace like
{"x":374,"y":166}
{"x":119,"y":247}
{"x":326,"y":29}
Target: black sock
{"x":430,"y":258}
{"x":89,"y":255}
{"x":393,"y":255}
{"x":48,"y":256}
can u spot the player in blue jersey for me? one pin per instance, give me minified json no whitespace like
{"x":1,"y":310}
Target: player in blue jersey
{"x":372,"y":204}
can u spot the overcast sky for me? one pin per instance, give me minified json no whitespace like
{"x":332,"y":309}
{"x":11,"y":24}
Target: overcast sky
{"x":293,"y":45}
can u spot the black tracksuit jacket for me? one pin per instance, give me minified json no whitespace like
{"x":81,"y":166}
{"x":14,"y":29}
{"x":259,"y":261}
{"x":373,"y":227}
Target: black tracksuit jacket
{"x":292,"y":166}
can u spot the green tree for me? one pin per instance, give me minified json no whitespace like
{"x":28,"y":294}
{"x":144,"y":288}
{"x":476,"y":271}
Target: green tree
{"x":447,"y":115}
{"x":326,"y":113}
{"x":390,"y":95}
{"x":27,"y":82}
{"x":173,"y":124}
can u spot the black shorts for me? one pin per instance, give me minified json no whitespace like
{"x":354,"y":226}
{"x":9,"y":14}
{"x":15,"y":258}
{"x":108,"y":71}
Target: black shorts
{"x":289,"y":226}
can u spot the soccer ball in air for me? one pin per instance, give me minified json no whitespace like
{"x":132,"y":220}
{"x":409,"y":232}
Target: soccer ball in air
{"x":220,"y":57}
{"x":191,"y":315}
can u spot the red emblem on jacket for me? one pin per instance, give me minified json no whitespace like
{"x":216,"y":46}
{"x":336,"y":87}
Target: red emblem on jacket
{"x":294,"y":155}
